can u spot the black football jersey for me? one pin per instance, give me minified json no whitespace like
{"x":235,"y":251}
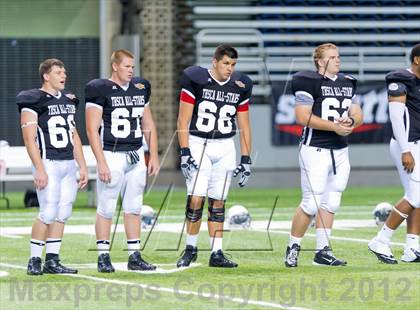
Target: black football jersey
{"x":55,"y":121}
{"x":122,"y":112}
{"x":410,"y":84}
{"x":215,"y":103}
{"x":330,"y":100}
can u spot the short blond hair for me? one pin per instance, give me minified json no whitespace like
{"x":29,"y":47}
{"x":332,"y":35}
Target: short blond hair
{"x":319,"y":52}
{"x":118,"y":55}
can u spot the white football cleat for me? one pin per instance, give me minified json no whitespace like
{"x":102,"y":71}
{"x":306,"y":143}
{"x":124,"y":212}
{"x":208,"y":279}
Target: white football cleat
{"x":411,"y":255}
{"x":382,"y":251}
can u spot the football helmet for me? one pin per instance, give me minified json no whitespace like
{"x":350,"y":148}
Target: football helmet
{"x":239,"y":216}
{"x":381,"y":212}
{"x":148,"y":216}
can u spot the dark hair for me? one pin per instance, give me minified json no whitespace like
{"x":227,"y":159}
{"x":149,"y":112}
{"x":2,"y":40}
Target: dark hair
{"x":224,"y":49}
{"x":46,"y":66}
{"x":415,"y":52}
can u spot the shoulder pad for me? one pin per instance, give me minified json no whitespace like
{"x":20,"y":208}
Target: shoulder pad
{"x":71,"y":96}
{"x":348,"y":77}
{"x":401,"y":75}
{"x":140,"y":83}
{"x":29,"y":96}
{"x":96,"y":83}
{"x":307,"y":74}
{"x":241,"y":80}
{"x":197,"y":74}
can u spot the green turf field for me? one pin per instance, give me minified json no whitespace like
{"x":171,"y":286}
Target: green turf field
{"x":260,"y":282}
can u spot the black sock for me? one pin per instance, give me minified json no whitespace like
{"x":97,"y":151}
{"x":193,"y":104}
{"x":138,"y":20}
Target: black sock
{"x":49,"y":256}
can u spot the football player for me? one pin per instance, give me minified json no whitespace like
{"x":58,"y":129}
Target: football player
{"x":327,"y":107}
{"x":118,"y":115}
{"x":404,"y":111}
{"x":210,"y":101}
{"x":53,"y":144}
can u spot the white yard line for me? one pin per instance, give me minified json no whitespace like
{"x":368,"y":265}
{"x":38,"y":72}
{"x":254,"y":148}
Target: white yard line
{"x":174,"y":291}
{"x":89,"y":229}
{"x":331,"y":237}
{"x":276,"y":227}
{"x":3,"y":273}
{"x":122,"y":266}
{"x":11,"y":236}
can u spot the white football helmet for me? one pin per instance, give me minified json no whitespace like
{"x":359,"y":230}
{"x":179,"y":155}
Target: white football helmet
{"x":239,"y":216}
{"x":148,"y":216}
{"x":381,"y":212}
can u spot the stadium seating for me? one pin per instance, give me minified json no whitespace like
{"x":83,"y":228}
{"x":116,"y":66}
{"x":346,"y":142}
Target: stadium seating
{"x":374,"y":36}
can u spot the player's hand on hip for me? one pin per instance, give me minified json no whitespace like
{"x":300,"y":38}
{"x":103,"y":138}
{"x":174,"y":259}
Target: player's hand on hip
{"x":188,"y":164}
{"x":83,"y":177}
{"x":407,"y":161}
{"x":40,"y":179}
{"x":342,"y":130}
{"x":244,"y":168}
{"x":153,"y":166}
{"x":104,"y":173}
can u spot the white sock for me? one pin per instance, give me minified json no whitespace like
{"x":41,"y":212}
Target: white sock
{"x":322,"y":238}
{"x":412,"y":242}
{"x":133,"y":245}
{"x":53,"y":246}
{"x":192,"y":240}
{"x":36,"y":247}
{"x":385,"y":234}
{"x":294,"y":240}
{"x":216,"y":244}
{"x":103,"y":246}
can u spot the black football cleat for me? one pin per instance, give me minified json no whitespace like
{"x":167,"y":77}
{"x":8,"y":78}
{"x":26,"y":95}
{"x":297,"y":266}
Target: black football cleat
{"x":104,"y":263}
{"x":292,"y":253}
{"x":135,"y":262}
{"x":324,"y":257}
{"x":53,"y":266}
{"x":189,"y":255}
{"x":218,"y":259}
{"x":382,"y":251}
{"x":411,"y":255}
{"x":34,"y":266}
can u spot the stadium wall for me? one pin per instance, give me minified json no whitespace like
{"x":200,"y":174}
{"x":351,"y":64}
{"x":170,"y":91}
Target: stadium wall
{"x":49,"y":18}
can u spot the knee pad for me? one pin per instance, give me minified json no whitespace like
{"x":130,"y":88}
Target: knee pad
{"x":64,"y":213}
{"x":216,"y":214}
{"x":106,"y":208}
{"x":48,"y":215}
{"x":134,"y":208}
{"x":310,"y":203}
{"x":333,"y":203}
{"x":132,"y":195}
{"x":194,"y":215}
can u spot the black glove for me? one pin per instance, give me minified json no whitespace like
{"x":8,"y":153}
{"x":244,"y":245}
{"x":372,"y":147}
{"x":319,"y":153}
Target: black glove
{"x":245,"y":169}
{"x":188,"y":163}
